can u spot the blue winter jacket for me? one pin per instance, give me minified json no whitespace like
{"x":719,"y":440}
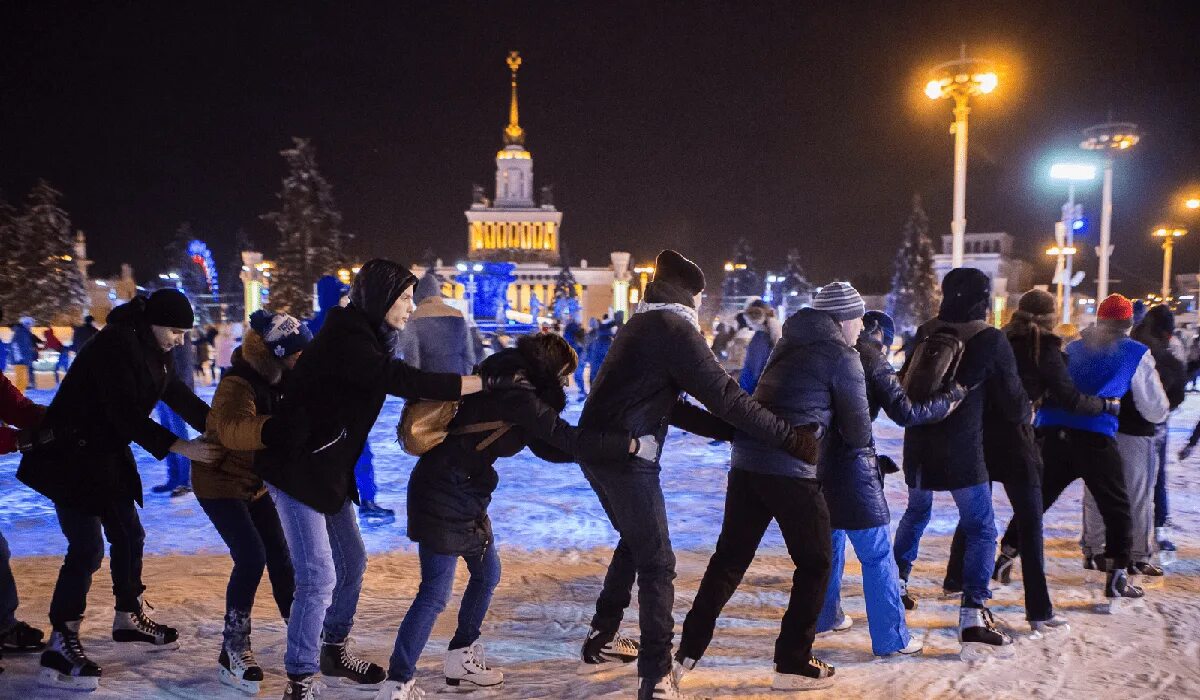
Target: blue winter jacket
{"x":813,"y":376}
{"x":1100,"y":364}
{"x":757,"y":354}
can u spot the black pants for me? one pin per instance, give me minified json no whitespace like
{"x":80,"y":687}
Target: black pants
{"x":255,"y":539}
{"x":1070,"y":454}
{"x":1026,"y":501}
{"x":85,"y":551}
{"x":751,"y":502}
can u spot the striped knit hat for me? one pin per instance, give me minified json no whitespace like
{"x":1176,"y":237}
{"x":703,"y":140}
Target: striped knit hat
{"x":840,"y":300}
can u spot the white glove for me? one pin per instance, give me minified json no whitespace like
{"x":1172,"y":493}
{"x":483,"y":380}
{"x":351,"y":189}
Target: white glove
{"x":647,"y":448}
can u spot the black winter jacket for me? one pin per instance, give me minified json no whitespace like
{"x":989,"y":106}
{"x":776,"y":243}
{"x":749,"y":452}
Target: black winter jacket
{"x":1171,"y":372}
{"x":103,"y":404}
{"x":336,"y":390}
{"x":949,"y":455}
{"x":812,"y":377}
{"x":451,"y":486}
{"x":656,"y":357}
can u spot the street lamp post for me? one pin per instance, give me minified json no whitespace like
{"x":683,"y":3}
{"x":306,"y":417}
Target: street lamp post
{"x":1168,"y":235}
{"x":1072,"y":173}
{"x":1113,"y":138}
{"x":960,"y":79}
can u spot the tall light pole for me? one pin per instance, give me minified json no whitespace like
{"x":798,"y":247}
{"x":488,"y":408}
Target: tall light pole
{"x":960,"y":79}
{"x":1072,"y":173}
{"x":1168,"y":235}
{"x":1113,"y":138}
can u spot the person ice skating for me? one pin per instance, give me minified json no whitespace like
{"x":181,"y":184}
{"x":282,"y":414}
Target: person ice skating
{"x":22,"y":353}
{"x":451,"y":487}
{"x":234,"y":496}
{"x":1104,"y":362}
{"x":83,"y":333}
{"x":1143,"y":410}
{"x":64,"y":354}
{"x":336,"y":392}
{"x":767,"y":331}
{"x":20,"y":417}
{"x":1013,"y":455}
{"x":852,"y":482}
{"x":659,"y":355}
{"x":83,"y":464}
{"x":179,"y":468}
{"x":576,"y":336}
{"x":948,"y":456}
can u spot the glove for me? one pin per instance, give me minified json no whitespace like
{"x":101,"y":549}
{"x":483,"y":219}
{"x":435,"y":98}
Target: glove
{"x":803,"y":443}
{"x":647,"y":448}
{"x":1186,"y":451}
{"x":1112,"y":406}
{"x":492,"y":382}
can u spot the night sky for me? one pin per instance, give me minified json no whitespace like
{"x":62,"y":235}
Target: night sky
{"x":659,"y":124}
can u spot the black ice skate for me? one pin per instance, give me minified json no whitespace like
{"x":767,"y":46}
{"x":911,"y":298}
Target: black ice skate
{"x":979,"y":636}
{"x":302,"y":688}
{"x":240,"y":670}
{"x":1144,"y":568}
{"x":606,"y":650}
{"x":338,"y":662}
{"x":1119,"y":591}
{"x":139,"y":628}
{"x":1002,"y":573}
{"x":21,"y":639}
{"x":812,"y":676}
{"x":65,"y":665}
{"x":665,"y":688}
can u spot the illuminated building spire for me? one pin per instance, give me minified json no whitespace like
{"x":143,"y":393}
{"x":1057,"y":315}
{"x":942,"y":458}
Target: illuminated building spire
{"x":514,"y":135}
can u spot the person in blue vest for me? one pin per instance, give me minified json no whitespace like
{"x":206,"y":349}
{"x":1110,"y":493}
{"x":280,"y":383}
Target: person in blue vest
{"x":1104,"y":362}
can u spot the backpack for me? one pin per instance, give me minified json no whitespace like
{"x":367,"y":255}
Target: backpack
{"x":425,"y":424}
{"x":935,"y":358}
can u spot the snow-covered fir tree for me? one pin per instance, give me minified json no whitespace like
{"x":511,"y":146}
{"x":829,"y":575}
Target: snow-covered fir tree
{"x":743,"y":280}
{"x":915,"y":295}
{"x":10,"y":243}
{"x":192,"y":279}
{"x":310,"y":236}
{"x":45,"y":280}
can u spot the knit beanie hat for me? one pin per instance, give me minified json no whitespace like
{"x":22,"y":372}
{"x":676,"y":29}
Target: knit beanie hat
{"x":283,"y":334}
{"x":169,"y":308}
{"x":674,"y":269}
{"x":1160,"y":320}
{"x":1115,"y":311}
{"x":966,"y":295}
{"x":1037,"y":302}
{"x":840,"y":300}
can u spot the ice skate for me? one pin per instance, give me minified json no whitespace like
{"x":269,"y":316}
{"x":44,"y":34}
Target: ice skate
{"x":815,"y":675}
{"x":979,"y":636}
{"x":1002,"y":573}
{"x":1120,"y":594}
{"x":21,"y":639}
{"x":1057,"y":625}
{"x":680,"y":667}
{"x":375,"y":513}
{"x":665,"y":688}
{"x":910,"y":603}
{"x":138,"y":627}
{"x":240,"y":670}
{"x":395,"y":690}
{"x":1166,"y":548}
{"x":1144,"y":568}
{"x":338,"y":662}
{"x":64,"y":664}
{"x":916,"y":644}
{"x":469,"y":665}
{"x":603,"y":651}
{"x":302,"y":688}
{"x":844,"y":623}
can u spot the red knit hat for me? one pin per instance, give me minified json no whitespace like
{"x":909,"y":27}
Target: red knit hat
{"x":1115,"y":308}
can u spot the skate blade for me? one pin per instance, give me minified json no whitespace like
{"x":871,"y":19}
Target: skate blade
{"x":978,"y":651}
{"x":792,"y":681}
{"x":1049,"y":633}
{"x":1116,"y":606}
{"x":49,"y":678}
{"x":247,"y":687}
{"x":350,"y":684}
{"x":607,"y":668}
{"x":1166,"y":558}
{"x":467,"y":685}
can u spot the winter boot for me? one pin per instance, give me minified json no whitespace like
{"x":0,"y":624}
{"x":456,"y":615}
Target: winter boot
{"x":238,"y":666}
{"x":469,"y":664}
{"x":1056,"y":625}
{"x":1119,"y":591}
{"x":136,"y":626}
{"x":812,"y":676}
{"x":302,"y":688}
{"x":21,"y":639}
{"x":979,"y":636}
{"x":338,"y":662}
{"x":64,"y":664}
{"x":1166,"y":548}
{"x":606,"y":650}
{"x":1002,"y":573}
{"x":910,"y":603}
{"x":665,"y":688}
{"x":397,"y":690}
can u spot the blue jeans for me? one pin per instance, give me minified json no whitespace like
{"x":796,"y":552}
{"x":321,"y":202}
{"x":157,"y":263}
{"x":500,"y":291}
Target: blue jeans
{"x":329,"y":560}
{"x":881,"y":588}
{"x":255,"y":539}
{"x":179,"y":468}
{"x":437,"y":583}
{"x":8,"y":588}
{"x":364,"y":475}
{"x":978,"y":523}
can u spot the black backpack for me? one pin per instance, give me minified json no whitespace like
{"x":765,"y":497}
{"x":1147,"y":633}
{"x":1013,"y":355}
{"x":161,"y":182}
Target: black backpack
{"x":934,"y":360}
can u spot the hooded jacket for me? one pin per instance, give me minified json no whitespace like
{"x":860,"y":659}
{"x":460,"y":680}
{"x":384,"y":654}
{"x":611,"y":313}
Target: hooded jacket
{"x":103,"y":404}
{"x":658,"y":355}
{"x":245,"y":399}
{"x":330,"y":291}
{"x":451,"y":486}
{"x":437,"y":337}
{"x":813,"y":377}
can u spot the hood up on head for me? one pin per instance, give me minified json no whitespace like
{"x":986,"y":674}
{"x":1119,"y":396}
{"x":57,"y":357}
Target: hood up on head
{"x":377,"y":286}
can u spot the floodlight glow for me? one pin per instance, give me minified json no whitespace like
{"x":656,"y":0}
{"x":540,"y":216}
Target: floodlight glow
{"x":462,"y":267}
{"x":987,"y":82}
{"x":1073,"y":171}
{"x":1192,"y":203}
{"x":933,"y":89}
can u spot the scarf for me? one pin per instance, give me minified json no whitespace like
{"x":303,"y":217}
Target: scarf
{"x":681,"y":310}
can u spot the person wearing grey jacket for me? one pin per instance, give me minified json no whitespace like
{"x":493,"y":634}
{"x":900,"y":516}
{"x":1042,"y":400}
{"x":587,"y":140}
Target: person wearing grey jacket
{"x":437,"y":338}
